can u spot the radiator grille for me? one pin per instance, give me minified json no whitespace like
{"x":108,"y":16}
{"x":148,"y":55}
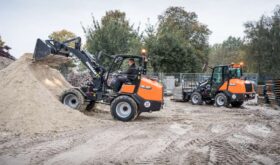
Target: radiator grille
{"x":249,"y":87}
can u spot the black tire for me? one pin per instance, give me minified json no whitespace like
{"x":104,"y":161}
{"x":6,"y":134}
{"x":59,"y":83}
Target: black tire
{"x":91,"y":106}
{"x":74,"y":99}
{"x":196,"y":98}
{"x":221,"y":100}
{"x":209,"y":102}
{"x":186,"y":98}
{"x":138,"y":114}
{"x":236,"y":104}
{"x":124,"y":108}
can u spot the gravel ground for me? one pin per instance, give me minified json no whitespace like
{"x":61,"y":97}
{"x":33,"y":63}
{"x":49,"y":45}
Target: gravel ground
{"x":179,"y":134}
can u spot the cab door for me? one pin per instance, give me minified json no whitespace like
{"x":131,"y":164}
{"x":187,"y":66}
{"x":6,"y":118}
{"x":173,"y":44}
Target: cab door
{"x":217,"y":79}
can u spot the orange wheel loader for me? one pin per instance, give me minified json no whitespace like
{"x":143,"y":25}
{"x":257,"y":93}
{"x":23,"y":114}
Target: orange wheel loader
{"x":226,"y":86}
{"x":138,"y":94}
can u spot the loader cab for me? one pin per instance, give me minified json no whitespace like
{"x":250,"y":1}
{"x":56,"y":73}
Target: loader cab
{"x":117,"y":69}
{"x":120,"y":63}
{"x":224,"y":73}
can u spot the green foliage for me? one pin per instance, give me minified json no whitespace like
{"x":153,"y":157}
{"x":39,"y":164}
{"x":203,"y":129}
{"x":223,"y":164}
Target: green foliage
{"x":180,"y":43}
{"x":114,"y":35}
{"x":63,"y":35}
{"x":263,"y":50}
{"x":1,"y":42}
{"x":230,"y":51}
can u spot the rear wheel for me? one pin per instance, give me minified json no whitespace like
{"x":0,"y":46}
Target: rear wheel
{"x":221,"y":100}
{"x":74,"y":99}
{"x":236,"y":104}
{"x":196,"y":98}
{"x":124,"y":108}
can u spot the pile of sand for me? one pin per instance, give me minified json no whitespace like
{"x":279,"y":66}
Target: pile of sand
{"x":29,"y":99}
{"x":4,"y":62}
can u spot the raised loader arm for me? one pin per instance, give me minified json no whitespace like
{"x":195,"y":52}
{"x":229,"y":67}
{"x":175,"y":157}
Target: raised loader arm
{"x":44,"y":49}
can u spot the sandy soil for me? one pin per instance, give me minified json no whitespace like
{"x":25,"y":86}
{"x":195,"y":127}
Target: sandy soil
{"x":35,"y":128}
{"x":29,"y":99}
{"x":4,"y":62}
{"x":180,"y":134}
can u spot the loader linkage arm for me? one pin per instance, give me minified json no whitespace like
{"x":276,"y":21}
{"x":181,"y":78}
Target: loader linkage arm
{"x":44,"y":49}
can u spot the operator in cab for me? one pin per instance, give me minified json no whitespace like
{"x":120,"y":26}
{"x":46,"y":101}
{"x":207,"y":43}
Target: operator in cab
{"x":127,"y":76}
{"x":132,"y":69}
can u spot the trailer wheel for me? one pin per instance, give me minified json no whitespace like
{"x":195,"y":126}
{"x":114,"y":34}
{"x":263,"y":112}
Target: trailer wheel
{"x":236,"y":104}
{"x":124,"y":108}
{"x":186,"y":97}
{"x":196,"y":98}
{"x":221,"y":100}
{"x":74,"y":99}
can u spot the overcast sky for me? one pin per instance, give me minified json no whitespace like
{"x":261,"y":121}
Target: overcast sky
{"x":23,"y":21}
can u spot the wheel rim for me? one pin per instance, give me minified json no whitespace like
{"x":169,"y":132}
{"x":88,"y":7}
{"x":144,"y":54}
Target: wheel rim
{"x":195,"y":99}
{"x":220,"y":100}
{"x":71,"y":100}
{"x":123,"y":109}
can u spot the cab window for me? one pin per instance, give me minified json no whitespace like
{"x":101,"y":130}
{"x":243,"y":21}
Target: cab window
{"x":218,"y":75}
{"x":235,"y":72}
{"x":124,"y":66}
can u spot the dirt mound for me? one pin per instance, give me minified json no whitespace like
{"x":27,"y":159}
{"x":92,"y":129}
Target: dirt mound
{"x":29,"y":99}
{"x":4,"y":62}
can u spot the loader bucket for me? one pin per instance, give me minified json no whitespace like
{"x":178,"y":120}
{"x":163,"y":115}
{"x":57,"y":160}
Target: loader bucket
{"x":41,"y":50}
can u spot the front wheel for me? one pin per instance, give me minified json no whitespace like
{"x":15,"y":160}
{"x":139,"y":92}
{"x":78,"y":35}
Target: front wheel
{"x":196,"y":98}
{"x":221,"y":100}
{"x":124,"y":108}
{"x":74,"y":99}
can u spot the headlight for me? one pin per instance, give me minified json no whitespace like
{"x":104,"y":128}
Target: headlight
{"x":147,"y":104}
{"x":233,"y":96}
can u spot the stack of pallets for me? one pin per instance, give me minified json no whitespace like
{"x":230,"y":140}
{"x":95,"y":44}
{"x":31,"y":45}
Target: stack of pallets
{"x":261,"y":94}
{"x":269,"y":93}
{"x":277,"y":91}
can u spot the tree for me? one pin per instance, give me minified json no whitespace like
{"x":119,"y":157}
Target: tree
{"x":113,"y":35}
{"x":61,"y":36}
{"x":263,"y":40}
{"x":180,"y":43}
{"x":231,"y":50}
{"x":1,"y":42}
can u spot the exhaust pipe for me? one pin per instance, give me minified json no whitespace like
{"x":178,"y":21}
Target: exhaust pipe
{"x":42,"y":50}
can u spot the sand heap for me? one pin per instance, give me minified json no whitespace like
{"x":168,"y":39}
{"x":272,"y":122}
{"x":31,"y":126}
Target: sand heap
{"x":4,"y":62}
{"x":29,"y":99}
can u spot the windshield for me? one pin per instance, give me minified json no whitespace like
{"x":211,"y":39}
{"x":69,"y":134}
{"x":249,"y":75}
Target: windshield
{"x":235,"y":72}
